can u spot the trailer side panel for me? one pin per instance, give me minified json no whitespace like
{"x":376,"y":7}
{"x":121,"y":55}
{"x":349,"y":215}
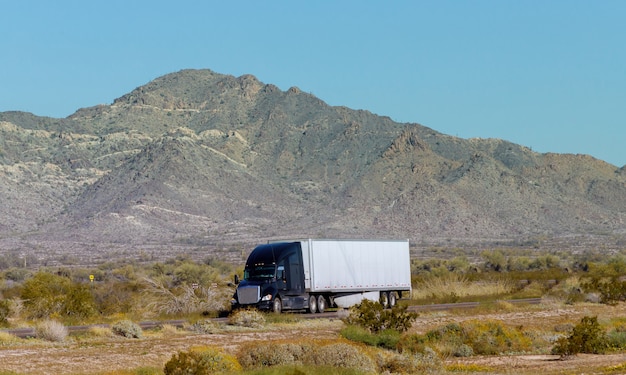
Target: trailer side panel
{"x":338,"y":266}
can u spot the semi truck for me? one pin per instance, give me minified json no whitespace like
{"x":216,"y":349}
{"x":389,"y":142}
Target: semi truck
{"x":315,"y":274}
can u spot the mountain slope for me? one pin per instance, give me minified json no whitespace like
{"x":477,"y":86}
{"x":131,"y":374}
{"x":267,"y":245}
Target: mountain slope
{"x":198,"y":158}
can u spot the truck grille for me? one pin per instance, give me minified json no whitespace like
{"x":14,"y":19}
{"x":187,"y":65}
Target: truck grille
{"x":248,"y":294}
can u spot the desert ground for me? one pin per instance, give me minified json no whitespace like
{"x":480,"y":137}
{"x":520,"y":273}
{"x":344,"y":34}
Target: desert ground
{"x":98,"y":355}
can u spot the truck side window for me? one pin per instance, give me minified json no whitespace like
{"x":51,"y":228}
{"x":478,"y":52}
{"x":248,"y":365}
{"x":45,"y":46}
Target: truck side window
{"x":280,"y":273}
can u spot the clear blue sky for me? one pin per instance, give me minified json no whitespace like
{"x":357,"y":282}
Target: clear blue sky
{"x":550,"y":75}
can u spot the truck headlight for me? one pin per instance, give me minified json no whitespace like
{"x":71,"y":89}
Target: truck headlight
{"x":267,"y":297}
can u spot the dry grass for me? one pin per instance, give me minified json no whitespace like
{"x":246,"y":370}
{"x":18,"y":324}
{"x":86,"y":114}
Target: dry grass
{"x":100,"y":331}
{"x":7,"y":339}
{"x":455,"y":285}
{"x":51,"y":330}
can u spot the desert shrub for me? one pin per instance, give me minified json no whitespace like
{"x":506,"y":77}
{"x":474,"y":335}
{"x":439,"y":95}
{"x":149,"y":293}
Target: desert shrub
{"x":341,"y":355}
{"x":7,"y":338}
{"x":414,"y":343}
{"x":422,"y":363}
{"x":463,"y":350}
{"x":204,"y":326}
{"x":47,"y":295}
{"x":307,"y":353}
{"x":612,"y":290}
{"x":114,"y":297}
{"x":183,"y":299}
{"x":494,"y":260}
{"x":492,"y":337}
{"x":201,"y":361}
{"x":616,"y":340}
{"x":51,"y":330}
{"x":127,"y":328}
{"x":79,"y":302}
{"x":387,"y":339}
{"x":247,"y":318}
{"x":16,"y":274}
{"x":586,"y":337}
{"x":467,"y":368}
{"x":372,"y":316}
{"x":5,"y":312}
{"x":44,"y":294}
{"x":468,"y":338}
{"x":273,"y":354}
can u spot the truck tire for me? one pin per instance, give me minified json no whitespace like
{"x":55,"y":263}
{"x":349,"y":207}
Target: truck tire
{"x":384,"y":299}
{"x":321,"y":304}
{"x":277,"y":307}
{"x":312,"y":304}
{"x":392,"y":299}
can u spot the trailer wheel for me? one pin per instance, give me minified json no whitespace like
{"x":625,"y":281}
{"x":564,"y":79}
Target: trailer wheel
{"x":278,"y":305}
{"x":312,"y":304}
{"x":321,"y":304}
{"x":392,"y":299}
{"x":384,"y":299}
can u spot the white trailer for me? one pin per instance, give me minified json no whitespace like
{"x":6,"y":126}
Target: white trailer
{"x":352,"y":269}
{"x":315,"y":273}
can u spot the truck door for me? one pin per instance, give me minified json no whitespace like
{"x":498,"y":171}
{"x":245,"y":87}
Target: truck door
{"x":281,"y":278}
{"x":295,"y":274}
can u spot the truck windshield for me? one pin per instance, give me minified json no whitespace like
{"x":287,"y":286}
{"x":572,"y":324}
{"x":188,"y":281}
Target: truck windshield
{"x":261,"y":272}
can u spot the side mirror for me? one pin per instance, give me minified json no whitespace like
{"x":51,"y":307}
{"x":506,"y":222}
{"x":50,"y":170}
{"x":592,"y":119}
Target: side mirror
{"x":236,"y":279}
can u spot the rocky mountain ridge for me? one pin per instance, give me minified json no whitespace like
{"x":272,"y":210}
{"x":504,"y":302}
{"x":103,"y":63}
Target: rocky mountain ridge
{"x":204,"y":160}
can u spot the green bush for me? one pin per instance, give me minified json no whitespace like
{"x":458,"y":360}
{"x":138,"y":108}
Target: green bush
{"x":79,"y":302}
{"x":127,"y":329}
{"x":612,"y":290}
{"x":273,"y":354}
{"x":201,"y":361}
{"x":44,"y":294}
{"x":493,"y":337}
{"x":468,"y":338}
{"x":373,"y":317}
{"x":47,"y":295}
{"x":586,"y":337}
{"x":387,"y":339}
{"x":616,"y":340}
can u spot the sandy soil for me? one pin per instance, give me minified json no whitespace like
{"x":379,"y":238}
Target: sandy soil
{"x":89,"y":355}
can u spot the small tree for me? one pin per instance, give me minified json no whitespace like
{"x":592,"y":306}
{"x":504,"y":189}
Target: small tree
{"x":48,"y":295}
{"x":586,"y":337}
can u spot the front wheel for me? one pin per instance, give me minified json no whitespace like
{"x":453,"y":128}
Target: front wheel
{"x":278,"y":305}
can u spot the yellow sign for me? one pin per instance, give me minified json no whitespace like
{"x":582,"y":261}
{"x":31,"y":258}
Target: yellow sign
{"x":91,"y":278}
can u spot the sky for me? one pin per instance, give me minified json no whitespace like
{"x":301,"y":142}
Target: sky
{"x":548,"y":75}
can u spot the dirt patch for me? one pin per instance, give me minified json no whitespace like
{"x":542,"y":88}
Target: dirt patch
{"x":88,"y":357}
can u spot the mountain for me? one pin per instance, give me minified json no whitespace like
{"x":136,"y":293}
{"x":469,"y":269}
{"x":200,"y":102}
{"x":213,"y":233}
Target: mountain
{"x":211,"y":162}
